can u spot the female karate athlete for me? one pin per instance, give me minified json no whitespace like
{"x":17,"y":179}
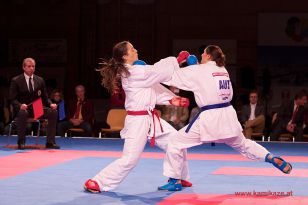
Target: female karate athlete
{"x":216,"y":122}
{"x":143,"y":91}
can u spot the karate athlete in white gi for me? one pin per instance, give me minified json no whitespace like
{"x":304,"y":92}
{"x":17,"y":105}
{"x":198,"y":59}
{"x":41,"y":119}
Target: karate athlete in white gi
{"x":143,"y":91}
{"x":217,"y":120}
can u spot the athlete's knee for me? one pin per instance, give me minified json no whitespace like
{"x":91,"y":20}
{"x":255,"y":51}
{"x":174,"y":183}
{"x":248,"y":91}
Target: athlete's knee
{"x":129,"y":162}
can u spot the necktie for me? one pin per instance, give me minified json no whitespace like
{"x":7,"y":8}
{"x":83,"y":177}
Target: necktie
{"x":77,"y":113}
{"x":30,"y":85}
{"x":294,"y":115}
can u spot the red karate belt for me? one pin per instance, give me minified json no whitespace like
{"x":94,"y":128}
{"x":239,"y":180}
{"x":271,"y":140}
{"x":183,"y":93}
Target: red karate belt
{"x":154,"y":114}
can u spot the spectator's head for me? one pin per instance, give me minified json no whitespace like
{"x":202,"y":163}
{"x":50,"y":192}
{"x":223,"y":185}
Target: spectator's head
{"x":301,"y":97}
{"x":253,"y":97}
{"x":28,"y":66}
{"x":80,"y":92}
{"x":213,"y":53}
{"x":56,"y":96}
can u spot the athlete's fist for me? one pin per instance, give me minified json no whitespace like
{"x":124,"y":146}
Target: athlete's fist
{"x":183,"y":55}
{"x":192,"y":60}
{"x":179,"y":101}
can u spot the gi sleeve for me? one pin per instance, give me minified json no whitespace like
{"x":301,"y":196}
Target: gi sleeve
{"x":149,"y":75}
{"x":184,"y":78}
{"x":163,"y":95}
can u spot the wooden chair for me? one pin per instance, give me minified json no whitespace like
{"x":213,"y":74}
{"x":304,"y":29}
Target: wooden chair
{"x":287,"y":137}
{"x":115,"y":120}
{"x":258,"y":134}
{"x":73,"y":130}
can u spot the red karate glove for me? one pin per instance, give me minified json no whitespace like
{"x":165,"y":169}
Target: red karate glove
{"x":179,"y":101}
{"x":183,"y":55}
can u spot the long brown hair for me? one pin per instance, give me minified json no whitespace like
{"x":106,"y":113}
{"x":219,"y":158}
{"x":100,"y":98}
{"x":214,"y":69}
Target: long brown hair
{"x":217,"y":55}
{"x":113,"y":69}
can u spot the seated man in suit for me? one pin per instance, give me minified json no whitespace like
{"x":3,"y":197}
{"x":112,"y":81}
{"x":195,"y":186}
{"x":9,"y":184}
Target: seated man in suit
{"x":80,"y":114}
{"x":25,"y":89}
{"x":290,"y":118}
{"x":252,"y":116}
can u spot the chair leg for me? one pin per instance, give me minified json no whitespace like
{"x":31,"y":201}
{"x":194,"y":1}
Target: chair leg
{"x":262,"y":138}
{"x":9,"y":134}
{"x":269,"y":138}
{"x":38,"y":132}
{"x":100,"y":135}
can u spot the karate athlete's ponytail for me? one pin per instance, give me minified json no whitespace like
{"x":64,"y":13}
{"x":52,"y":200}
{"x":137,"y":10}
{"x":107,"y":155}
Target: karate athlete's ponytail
{"x":113,"y":69}
{"x":216,"y":55}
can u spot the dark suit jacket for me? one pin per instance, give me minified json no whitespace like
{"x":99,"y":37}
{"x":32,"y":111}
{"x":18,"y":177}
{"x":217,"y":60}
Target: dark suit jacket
{"x":247,"y":110}
{"x":285,"y":114}
{"x":19,"y":93}
{"x":87,"y":110}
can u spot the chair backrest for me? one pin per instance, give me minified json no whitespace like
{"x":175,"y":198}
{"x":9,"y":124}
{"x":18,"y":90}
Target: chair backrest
{"x":116,"y":118}
{"x":101,"y":107}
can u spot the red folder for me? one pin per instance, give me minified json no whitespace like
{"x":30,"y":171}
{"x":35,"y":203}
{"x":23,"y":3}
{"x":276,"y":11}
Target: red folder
{"x":38,"y":108}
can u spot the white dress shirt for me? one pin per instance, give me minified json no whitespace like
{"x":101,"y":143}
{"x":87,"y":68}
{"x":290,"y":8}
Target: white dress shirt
{"x":252,"y":111}
{"x":27,"y":80}
{"x":294,"y":108}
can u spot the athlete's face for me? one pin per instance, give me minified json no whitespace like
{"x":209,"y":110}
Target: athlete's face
{"x":205,"y":57}
{"x":132,"y":54}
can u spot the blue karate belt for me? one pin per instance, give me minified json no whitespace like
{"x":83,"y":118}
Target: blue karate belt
{"x":204,"y":108}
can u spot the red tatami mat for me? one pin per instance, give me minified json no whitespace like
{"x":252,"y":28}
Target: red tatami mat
{"x":217,"y":199}
{"x":31,"y":160}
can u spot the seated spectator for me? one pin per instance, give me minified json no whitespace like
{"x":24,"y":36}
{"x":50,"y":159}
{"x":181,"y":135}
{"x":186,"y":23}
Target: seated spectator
{"x":252,"y":116}
{"x":80,"y":114}
{"x":176,"y":116}
{"x":290,"y":118}
{"x":56,"y":97}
